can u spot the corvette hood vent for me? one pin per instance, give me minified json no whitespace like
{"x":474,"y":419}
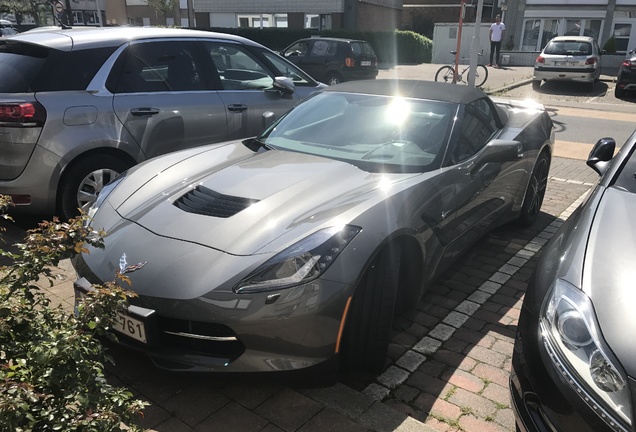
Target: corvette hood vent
{"x":206,"y":202}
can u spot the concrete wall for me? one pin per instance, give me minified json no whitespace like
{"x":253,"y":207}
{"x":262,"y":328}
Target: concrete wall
{"x":445,"y":40}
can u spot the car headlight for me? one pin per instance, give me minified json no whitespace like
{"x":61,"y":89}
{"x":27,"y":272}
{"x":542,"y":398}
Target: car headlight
{"x":103,"y":194}
{"x":301,"y":262}
{"x":572,"y":338}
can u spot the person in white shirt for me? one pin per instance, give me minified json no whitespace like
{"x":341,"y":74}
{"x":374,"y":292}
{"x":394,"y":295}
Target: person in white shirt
{"x":497,"y":30}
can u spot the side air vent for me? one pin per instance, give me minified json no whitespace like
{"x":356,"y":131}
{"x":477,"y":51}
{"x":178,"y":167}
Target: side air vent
{"x":207,"y":202}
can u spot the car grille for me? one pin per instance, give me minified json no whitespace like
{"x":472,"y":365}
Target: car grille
{"x":207,"y":202}
{"x":207,"y":338}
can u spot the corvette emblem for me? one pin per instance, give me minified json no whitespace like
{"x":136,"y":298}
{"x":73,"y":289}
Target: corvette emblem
{"x":125,"y":268}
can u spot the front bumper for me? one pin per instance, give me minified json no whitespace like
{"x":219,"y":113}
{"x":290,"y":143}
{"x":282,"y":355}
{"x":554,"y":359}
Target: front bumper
{"x":292,"y":331}
{"x":541,"y":397}
{"x":565,"y":74}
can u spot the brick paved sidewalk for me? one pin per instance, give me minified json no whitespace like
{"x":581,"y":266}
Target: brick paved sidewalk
{"x":448,"y":363}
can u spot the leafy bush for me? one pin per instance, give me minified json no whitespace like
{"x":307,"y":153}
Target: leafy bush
{"x":51,"y":362}
{"x":610,"y":46}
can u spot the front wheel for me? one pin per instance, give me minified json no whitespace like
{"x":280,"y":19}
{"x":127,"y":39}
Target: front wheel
{"x":445,"y":74}
{"x":481,"y":75}
{"x":370,"y":319}
{"x":84,"y":180}
{"x":535,"y":192}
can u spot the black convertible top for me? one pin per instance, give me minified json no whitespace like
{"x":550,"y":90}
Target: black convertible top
{"x":459,"y":94}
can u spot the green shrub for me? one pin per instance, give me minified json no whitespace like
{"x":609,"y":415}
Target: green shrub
{"x":610,"y":46}
{"x":51,"y":362}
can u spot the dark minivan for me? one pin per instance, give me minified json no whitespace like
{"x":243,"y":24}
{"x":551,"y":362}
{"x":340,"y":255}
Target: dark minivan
{"x":334,"y":60}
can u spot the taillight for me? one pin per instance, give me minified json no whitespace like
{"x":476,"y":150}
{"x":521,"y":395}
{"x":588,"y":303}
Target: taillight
{"x":22,"y":114}
{"x":591,"y":61}
{"x":540,"y":59}
{"x":350,"y":62}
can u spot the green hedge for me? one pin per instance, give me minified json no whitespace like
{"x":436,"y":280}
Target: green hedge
{"x":394,"y":47}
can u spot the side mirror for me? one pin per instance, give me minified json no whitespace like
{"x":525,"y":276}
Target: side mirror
{"x":284,"y":85}
{"x":601,"y":155}
{"x":499,"y":151}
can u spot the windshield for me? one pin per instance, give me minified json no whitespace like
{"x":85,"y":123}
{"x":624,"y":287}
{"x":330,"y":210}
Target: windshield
{"x":569,"y":47}
{"x":375,"y":133}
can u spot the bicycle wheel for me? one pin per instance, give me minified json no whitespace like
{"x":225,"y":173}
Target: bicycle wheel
{"x":481,"y":76}
{"x":445,"y":74}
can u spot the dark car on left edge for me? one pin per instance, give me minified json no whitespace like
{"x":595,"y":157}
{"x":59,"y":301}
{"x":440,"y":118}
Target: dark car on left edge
{"x":295,"y":249}
{"x":626,"y":79}
{"x":574,"y":359}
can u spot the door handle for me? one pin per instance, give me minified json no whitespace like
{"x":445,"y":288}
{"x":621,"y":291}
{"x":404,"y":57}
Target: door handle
{"x":139,"y":112}
{"x":237,"y":108}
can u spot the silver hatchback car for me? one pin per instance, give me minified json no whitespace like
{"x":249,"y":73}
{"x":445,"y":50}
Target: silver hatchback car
{"x":568,"y":58}
{"x":80,"y":106}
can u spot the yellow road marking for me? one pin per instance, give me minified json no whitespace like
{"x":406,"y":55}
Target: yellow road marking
{"x":573,"y":150}
{"x":589,"y":113}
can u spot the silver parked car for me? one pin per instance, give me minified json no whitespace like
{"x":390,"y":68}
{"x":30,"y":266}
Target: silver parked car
{"x":574,"y":362}
{"x":79,"y":106}
{"x":568,"y":58}
{"x":291,"y":249}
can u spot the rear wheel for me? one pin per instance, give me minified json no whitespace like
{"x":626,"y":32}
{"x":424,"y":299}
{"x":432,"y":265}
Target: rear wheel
{"x":333,"y":79}
{"x":536,"y":191}
{"x":445,"y":74}
{"x":84,"y":180}
{"x":536,"y":84}
{"x":619,"y":92}
{"x":370,"y":319}
{"x":481,"y":76}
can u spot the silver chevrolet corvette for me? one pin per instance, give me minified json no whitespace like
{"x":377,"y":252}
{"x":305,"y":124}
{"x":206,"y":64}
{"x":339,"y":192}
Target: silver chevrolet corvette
{"x":295,"y":249}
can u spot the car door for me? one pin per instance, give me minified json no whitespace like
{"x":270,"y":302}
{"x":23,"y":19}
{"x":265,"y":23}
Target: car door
{"x":320,"y":59}
{"x":483,"y":191}
{"x":164,"y":97}
{"x":245,"y":85}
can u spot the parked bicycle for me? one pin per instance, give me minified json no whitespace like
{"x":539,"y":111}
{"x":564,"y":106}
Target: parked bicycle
{"x":447,"y":74}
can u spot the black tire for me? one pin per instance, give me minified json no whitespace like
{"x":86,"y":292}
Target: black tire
{"x":82,"y":182}
{"x":536,"y":84}
{"x":619,"y":92}
{"x":370,"y":319}
{"x":481,"y":76}
{"x":535,"y":192}
{"x":333,"y":79}
{"x":445,"y":74}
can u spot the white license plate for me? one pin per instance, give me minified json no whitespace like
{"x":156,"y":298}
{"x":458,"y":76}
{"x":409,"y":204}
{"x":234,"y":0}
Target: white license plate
{"x":564,"y":63}
{"x":130,"y":327}
{"x":365,"y":63}
{"x":123,"y":324}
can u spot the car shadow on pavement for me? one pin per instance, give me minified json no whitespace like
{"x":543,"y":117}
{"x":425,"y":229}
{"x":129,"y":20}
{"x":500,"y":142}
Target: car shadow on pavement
{"x":573,"y":88}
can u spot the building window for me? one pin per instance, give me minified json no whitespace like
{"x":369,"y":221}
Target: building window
{"x":538,"y":32}
{"x":621,"y":33}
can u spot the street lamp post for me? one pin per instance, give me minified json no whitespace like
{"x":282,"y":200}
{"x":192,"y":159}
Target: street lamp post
{"x":475,"y":45}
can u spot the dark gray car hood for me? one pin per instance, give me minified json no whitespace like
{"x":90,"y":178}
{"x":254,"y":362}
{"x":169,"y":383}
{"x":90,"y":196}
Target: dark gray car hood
{"x":293,"y":192}
{"x":609,"y":276}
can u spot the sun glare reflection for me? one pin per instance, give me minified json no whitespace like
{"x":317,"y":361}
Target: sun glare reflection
{"x":384,"y":184}
{"x":398,"y":111}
